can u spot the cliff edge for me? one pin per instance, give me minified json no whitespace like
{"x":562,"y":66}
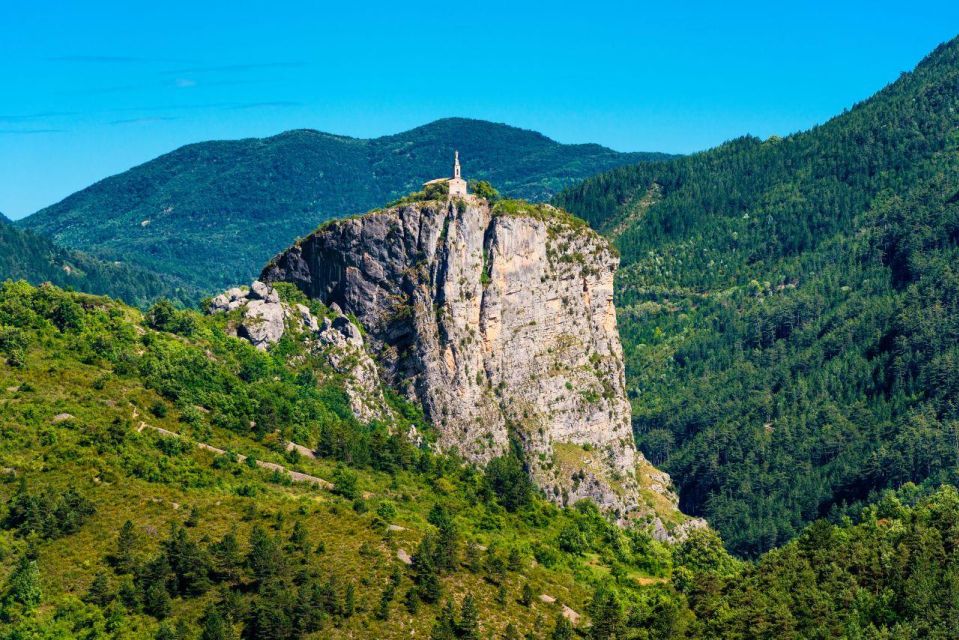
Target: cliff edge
{"x":500,"y":321}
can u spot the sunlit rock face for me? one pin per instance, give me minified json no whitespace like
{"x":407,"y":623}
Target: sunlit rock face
{"x":501,"y":325}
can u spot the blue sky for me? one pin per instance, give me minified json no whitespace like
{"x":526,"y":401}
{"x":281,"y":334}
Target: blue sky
{"x":89,"y":89}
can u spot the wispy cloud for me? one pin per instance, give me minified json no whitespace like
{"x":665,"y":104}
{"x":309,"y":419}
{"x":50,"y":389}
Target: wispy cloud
{"x":42,"y":115}
{"x":266,"y":105}
{"x":185,"y":83}
{"x":247,"y":66}
{"x":103,"y":59}
{"x":29,"y":132}
{"x":144,"y":120}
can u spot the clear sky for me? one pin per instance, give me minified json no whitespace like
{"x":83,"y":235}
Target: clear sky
{"x":89,"y":89}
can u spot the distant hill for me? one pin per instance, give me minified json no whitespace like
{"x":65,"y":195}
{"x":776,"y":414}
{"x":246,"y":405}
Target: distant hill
{"x":3,"y":218}
{"x":789,"y":309}
{"x":25,"y":255}
{"x":213,"y":213}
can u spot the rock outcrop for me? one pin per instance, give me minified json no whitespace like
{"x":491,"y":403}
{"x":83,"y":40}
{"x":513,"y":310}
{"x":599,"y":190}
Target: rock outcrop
{"x":264,"y":319}
{"x":500,"y":322}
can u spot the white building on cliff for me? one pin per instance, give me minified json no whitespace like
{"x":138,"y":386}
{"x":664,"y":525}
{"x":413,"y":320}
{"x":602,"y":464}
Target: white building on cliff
{"x":456,"y":184}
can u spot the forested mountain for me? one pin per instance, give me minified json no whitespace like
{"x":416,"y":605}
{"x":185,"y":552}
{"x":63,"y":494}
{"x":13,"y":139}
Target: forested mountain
{"x":213,"y":213}
{"x":789,"y":309}
{"x":26,"y":255}
{"x":148,"y":490}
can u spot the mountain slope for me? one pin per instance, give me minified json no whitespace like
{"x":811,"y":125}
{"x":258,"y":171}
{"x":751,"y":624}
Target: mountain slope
{"x":212,"y":213}
{"x":129,"y":511}
{"x":102,"y":409}
{"x":26,"y":255}
{"x":788,"y":309}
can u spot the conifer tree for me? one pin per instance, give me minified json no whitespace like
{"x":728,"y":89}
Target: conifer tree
{"x":349,"y":600}
{"x":412,"y":601}
{"x":99,"y":592}
{"x":23,"y":586}
{"x":124,"y":560}
{"x":468,"y":626}
{"x":607,"y":614}
{"x":424,"y":569}
{"x":215,"y":626}
{"x":226,"y":557}
{"x":265,"y":558}
{"x":445,"y":627}
{"x":156,"y":600}
{"x":526,"y":599}
{"x":563,"y":629}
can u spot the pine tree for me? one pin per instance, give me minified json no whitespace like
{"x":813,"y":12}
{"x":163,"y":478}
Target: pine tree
{"x":526,"y":599}
{"x":468,"y":626}
{"x":349,"y":600}
{"x":215,"y":626}
{"x":226,"y":557}
{"x":298,"y":538}
{"x":607,"y":614}
{"x":128,"y":594}
{"x":166,"y":631}
{"x":563,"y":630}
{"x":510,"y":633}
{"x":412,"y":601}
{"x":495,"y":566}
{"x":424,"y":569}
{"x":383,"y":611}
{"x":447,"y":537}
{"x":265,"y":558}
{"x":124,"y":561}
{"x":156,"y":600}
{"x":189,"y":562}
{"x":474,"y":561}
{"x":445,"y":627}
{"x":23,"y":586}
{"x":514,"y":560}
{"x":99,"y":592}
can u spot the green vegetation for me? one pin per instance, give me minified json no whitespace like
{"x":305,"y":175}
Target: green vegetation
{"x":26,"y":255}
{"x":110,"y":528}
{"x":788,"y":310}
{"x":213,"y":213}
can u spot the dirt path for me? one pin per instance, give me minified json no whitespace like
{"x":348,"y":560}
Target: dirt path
{"x":295,"y":476}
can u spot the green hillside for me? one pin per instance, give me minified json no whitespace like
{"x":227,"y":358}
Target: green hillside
{"x":134,"y":503}
{"x":213,"y":213}
{"x":26,"y":255}
{"x":789,"y":309}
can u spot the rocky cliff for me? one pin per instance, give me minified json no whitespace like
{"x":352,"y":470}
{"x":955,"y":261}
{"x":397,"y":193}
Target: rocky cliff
{"x":500,"y":321}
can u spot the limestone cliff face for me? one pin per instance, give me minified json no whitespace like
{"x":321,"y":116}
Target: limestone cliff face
{"x":501,"y":323}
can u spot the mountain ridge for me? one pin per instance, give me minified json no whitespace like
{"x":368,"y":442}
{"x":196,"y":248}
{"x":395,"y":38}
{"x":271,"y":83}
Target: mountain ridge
{"x":212,"y":212}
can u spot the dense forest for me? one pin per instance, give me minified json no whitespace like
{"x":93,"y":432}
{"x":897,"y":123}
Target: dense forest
{"x":213,"y":213}
{"x":789,"y":310}
{"x":26,"y":255}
